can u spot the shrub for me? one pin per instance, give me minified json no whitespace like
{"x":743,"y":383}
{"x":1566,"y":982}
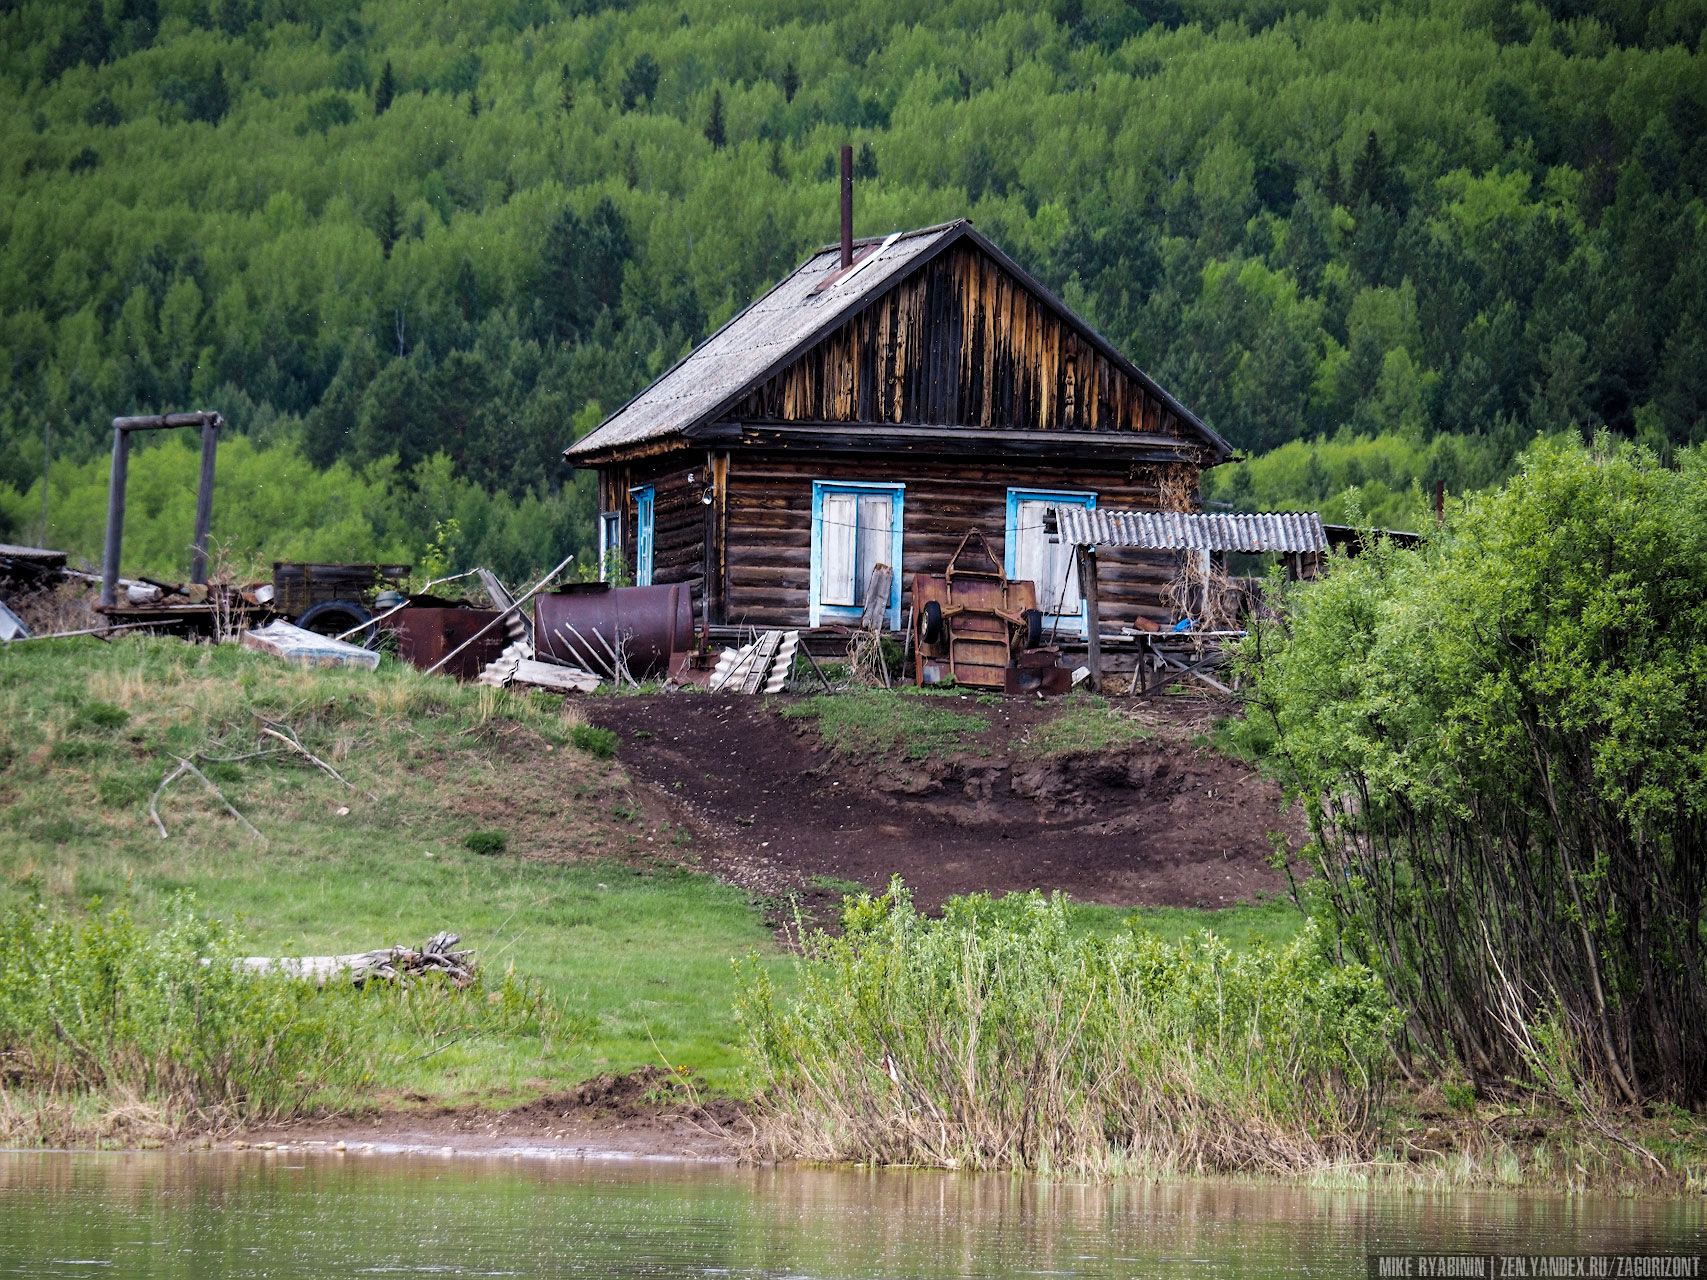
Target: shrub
{"x":168,"y":1017}
{"x":98,"y":716}
{"x":1501,"y":744}
{"x":486,"y":842}
{"x":596,"y":742}
{"x":995,"y":1038}
{"x":167,"y":1027}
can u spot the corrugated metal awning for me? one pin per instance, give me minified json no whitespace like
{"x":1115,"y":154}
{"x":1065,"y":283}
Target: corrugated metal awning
{"x":1291,"y":531}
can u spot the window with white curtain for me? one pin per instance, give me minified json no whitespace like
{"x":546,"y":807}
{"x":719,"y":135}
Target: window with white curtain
{"x":855,"y":528}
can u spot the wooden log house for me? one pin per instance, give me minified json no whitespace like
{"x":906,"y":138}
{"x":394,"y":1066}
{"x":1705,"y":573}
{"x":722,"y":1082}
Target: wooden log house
{"x":871,"y":413}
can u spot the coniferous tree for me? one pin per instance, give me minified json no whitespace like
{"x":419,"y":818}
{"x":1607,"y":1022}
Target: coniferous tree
{"x":566,"y":91}
{"x":640,"y":82}
{"x":790,"y":82}
{"x":140,"y":22}
{"x":473,"y":105}
{"x":714,"y":130}
{"x":390,"y":225}
{"x":87,"y":40}
{"x":1332,"y":184}
{"x":214,"y":98}
{"x":385,"y":90}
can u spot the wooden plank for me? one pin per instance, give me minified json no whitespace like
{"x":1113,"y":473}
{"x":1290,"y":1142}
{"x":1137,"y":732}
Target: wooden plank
{"x":877,"y":592}
{"x":763,"y":653}
{"x":1093,"y":637}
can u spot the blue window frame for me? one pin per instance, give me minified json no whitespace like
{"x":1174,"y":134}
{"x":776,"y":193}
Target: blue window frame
{"x":1029,"y":552}
{"x":610,"y":543}
{"x":855,"y":527}
{"x":643,"y":502}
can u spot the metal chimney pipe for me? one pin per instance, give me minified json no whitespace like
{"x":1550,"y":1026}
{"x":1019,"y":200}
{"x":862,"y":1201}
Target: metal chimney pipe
{"x":847,"y":207}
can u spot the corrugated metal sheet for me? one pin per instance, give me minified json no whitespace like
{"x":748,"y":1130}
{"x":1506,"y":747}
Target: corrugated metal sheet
{"x":1292,"y":531}
{"x":786,"y":319}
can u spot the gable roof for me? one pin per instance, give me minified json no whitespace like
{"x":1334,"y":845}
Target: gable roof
{"x":796,"y":313}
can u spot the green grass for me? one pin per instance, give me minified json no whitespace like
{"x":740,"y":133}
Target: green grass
{"x":587,"y":898}
{"x":1086,"y":724}
{"x":880,"y":722}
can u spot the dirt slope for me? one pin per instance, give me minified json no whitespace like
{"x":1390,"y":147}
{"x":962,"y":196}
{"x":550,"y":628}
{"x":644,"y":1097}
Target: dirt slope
{"x":1156,"y":822}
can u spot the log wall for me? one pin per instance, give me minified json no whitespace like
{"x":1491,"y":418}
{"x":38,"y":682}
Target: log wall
{"x":767,"y":533}
{"x":678,"y":515}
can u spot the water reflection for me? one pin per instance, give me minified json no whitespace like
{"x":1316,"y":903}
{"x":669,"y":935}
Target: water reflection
{"x":289,"y":1215}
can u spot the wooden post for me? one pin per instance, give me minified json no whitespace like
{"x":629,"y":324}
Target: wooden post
{"x":1093,"y":623}
{"x":204,"y":500}
{"x":115,"y":516}
{"x":122,"y":427}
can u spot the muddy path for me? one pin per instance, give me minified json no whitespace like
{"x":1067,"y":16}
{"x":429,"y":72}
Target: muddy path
{"x":642,"y":1113}
{"x":1158,"y":822}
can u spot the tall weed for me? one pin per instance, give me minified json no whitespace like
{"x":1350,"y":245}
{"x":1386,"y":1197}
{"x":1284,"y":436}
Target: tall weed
{"x":995,"y":1038}
{"x":104,"y":1017}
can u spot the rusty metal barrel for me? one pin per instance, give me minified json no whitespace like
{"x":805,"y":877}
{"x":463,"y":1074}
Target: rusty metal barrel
{"x":587,"y":623}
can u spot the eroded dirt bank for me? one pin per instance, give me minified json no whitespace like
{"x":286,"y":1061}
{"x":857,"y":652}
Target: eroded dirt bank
{"x":1157,"y":822}
{"x":643,"y":1113}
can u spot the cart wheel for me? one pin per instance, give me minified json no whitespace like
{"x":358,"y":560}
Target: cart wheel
{"x":1033,"y":628}
{"x":930,"y":623}
{"x":334,"y":617}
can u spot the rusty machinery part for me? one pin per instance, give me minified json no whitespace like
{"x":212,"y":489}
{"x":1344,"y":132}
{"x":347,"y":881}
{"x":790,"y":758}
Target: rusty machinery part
{"x":1033,"y":622}
{"x":956,"y":568}
{"x":431,"y":628}
{"x":974,"y":623}
{"x":587,"y":622}
{"x":334,"y":617}
{"x":930,"y":623}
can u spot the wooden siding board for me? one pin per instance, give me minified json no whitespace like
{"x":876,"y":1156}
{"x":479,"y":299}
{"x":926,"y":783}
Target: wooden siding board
{"x":959,"y":342}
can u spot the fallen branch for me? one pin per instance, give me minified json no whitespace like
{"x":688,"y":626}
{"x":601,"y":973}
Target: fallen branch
{"x":289,"y":738}
{"x":184,"y":766}
{"x":393,"y":964}
{"x":154,"y":800}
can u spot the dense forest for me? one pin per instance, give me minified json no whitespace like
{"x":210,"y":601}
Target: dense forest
{"x":412,"y":251}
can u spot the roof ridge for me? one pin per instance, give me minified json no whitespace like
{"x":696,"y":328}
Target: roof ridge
{"x":860,"y":241}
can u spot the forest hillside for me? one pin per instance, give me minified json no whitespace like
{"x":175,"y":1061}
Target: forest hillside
{"x":411,"y":251}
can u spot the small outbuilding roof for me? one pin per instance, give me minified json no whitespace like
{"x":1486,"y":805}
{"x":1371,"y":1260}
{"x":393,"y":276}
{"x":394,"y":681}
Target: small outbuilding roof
{"x":1289,"y":531}
{"x":802,"y":308}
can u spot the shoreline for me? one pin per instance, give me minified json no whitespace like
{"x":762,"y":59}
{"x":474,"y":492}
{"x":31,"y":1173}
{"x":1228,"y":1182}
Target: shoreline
{"x":646,"y":1115}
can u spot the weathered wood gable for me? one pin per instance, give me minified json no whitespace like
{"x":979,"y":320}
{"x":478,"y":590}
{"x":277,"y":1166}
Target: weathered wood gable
{"x":961,"y":342}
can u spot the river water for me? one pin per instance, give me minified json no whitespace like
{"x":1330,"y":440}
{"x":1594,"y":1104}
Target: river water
{"x":283,"y":1214}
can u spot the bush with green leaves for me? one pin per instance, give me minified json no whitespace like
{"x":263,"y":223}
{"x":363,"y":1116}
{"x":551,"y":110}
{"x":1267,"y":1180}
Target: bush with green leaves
{"x":1500,"y":741}
{"x":998,"y":1037}
{"x":167,"y":1016}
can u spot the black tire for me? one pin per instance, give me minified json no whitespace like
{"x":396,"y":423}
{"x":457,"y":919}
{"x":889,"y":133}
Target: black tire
{"x":334,"y":617}
{"x":931,"y":629}
{"x":1033,"y":628}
